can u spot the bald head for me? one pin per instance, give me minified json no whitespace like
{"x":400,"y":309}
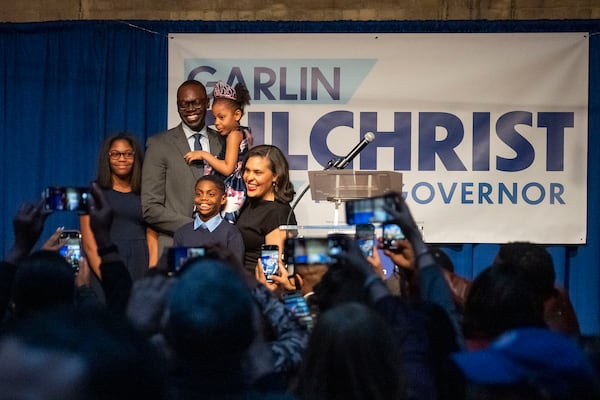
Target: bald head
{"x":310,"y":275}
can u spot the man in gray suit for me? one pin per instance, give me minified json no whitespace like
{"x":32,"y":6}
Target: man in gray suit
{"x":167,"y":179}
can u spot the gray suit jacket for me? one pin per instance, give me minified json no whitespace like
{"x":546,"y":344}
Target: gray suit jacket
{"x":168,"y":181}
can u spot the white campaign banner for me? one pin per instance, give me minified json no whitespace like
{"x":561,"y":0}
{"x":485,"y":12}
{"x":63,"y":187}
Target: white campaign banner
{"x":489,"y":131}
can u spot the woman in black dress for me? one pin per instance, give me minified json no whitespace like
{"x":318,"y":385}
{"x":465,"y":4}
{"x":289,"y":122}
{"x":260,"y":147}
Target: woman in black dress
{"x":270,"y":191}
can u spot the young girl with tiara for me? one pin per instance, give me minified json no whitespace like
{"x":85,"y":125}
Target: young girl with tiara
{"x":228,"y":109}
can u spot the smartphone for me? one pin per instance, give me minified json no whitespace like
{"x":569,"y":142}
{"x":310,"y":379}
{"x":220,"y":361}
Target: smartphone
{"x":295,"y":302}
{"x":67,"y":198}
{"x":365,"y":237}
{"x":71,"y":247}
{"x":391,"y":234}
{"x":269,"y":255}
{"x":178,"y":255}
{"x":371,"y":209}
{"x":304,"y":251}
{"x":338,"y":242}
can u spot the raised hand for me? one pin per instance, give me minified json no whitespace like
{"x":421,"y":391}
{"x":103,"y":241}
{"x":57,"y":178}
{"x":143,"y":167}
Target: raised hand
{"x":53,"y":243}
{"x":28,"y":224}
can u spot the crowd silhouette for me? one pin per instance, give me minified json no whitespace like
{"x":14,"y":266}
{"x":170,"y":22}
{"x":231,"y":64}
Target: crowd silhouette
{"x":217,"y":327}
{"x":212,"y":330}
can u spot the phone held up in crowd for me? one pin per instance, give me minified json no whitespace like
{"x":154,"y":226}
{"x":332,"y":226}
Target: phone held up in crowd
{"x":374,"y":210}
{"x":269,"y":256}
{"x":177,"y":256}
{"x":365,"y":238}
{"x":71,"y":247}
{"x":314,"y":250}
{"x":67,"y":198}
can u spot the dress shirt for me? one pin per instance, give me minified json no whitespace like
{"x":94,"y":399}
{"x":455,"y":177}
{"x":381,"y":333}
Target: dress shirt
{"x":211,"y":224}
{"x":189,"y":134}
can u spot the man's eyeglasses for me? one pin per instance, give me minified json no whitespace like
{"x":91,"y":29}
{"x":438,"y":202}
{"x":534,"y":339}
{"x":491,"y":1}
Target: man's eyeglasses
{"x":194,"y":105}
{"x":115,"y":155}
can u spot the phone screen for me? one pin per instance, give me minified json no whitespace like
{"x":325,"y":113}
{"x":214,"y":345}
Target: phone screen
{"x":371,"y":209}
{"x":297,"y":305}
{"x":365,"y":237}
{"x":71,"y":248}
{"x":178,"y":255}
{"x":269,"y":256}
{"x":307,"y":251}
{"x":391,"y":234}
{"x":67,"y":198}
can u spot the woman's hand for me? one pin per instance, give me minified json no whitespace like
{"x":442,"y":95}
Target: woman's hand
{"x":279,"y":283}
{"x":259,"y":274}
{"x":403,"y":256}
{"x":282,"y":279}
{"x":53,"y":243}
{"x":28,"y":224}
{"x":375,"y":261}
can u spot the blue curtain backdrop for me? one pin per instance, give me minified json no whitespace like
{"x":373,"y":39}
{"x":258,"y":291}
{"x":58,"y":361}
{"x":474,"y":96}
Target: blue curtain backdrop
{"x":64,"y":86}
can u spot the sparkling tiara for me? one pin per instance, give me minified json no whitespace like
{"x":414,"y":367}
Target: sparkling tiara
{"x":223,"y":90}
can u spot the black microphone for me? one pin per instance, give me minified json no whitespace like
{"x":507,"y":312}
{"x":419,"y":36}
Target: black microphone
{"x":342,"y":162}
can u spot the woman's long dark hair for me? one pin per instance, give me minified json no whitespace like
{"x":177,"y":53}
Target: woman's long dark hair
{"x":352,"y":354}
{"x":104,"y":177}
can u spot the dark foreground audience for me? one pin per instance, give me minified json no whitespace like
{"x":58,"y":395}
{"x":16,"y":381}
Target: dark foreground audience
{"x":529,"y":364}
{"x":32,"y":282}
{"x":499,"y":299}
{"x":423,"y":329}
{"x":532,"y":262}
{"x":222,"y":335}
{"x":536,"y":265}
{"x":70,"y":354}
{"x":352,"y":355}
{"x":212,"y":323}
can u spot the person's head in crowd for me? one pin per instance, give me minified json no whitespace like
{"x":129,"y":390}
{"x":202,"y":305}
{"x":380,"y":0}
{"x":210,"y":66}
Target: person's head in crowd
{"x":309,"y":275}
{"x":37,"y":373}
{"x":535,"y":263}
{"x":352,"y":354}
{"x":339,"y":285}
{"x":309,"y":260}
{"x":267,"y":175}
{"x":531,"y":364}
{"x":228,"y":106}
{"x":120,"y":158}
{"x":210,"y":321}
{"x":44,"y":279}
{"x":209,"y":196}
{"x":500,"y":299}
{"x":192,"y":103}
{"x":70,"y":354}
{"x":342,"y":281}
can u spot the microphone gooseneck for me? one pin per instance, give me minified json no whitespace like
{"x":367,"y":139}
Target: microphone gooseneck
{"x":339,"y":164}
